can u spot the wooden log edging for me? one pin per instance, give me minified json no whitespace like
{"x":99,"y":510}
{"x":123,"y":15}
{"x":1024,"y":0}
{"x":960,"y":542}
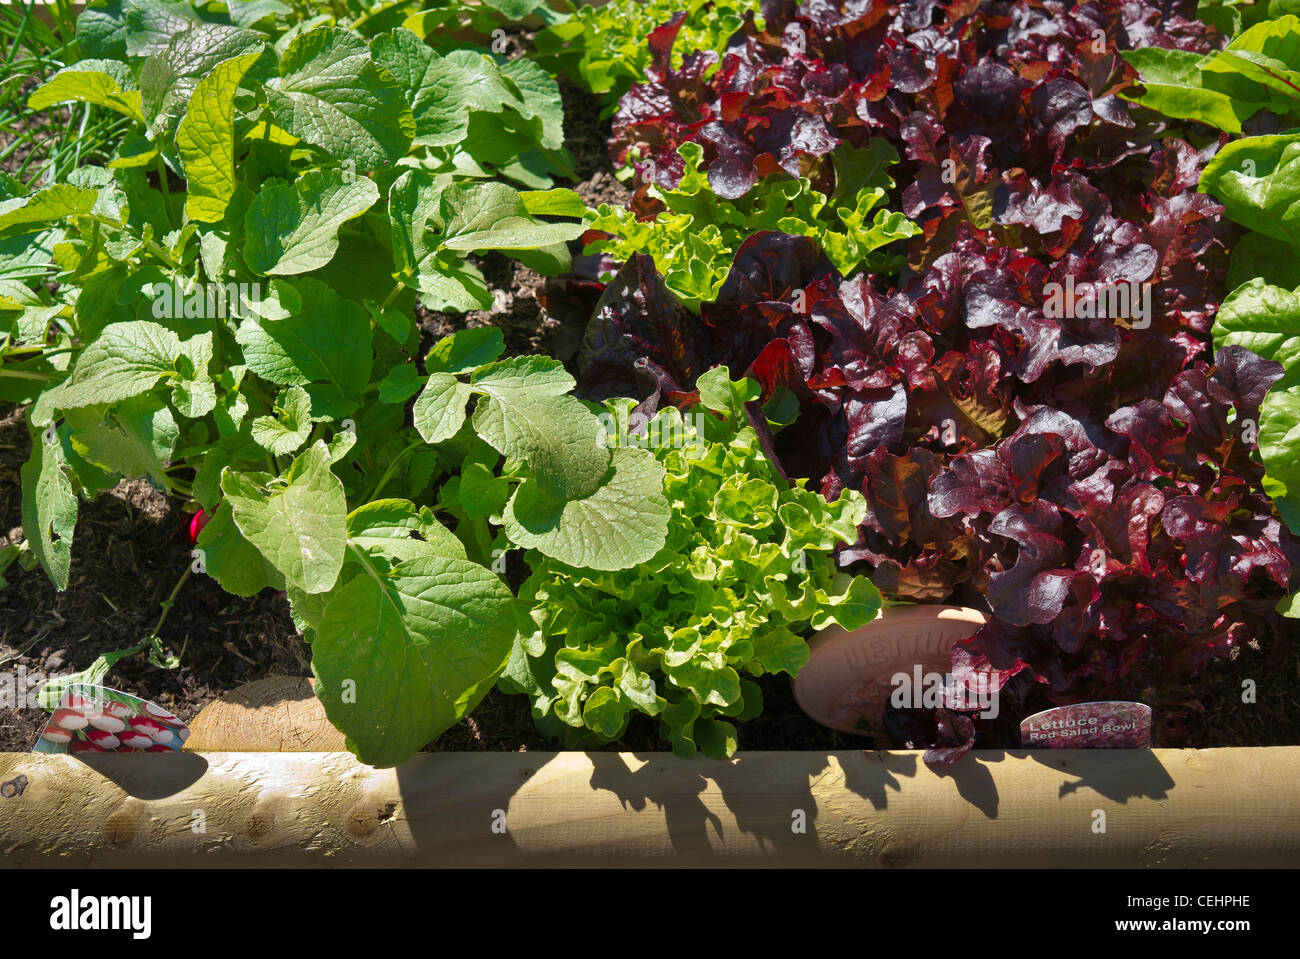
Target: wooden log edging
{"x":1161,"y":808}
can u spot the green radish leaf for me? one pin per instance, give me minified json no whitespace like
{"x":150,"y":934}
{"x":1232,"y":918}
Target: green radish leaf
{"x":104,"y":83}
{"x":541,"y":99}
{"x":294,"y":229}
{"x":246,"y":13}
{"x":306,"y":609}
{"x":285,"y":433}
{"x":485,"y":89}
{"x":452,"y":286}
{"x":194,"y":392}
{"x":465,"y":350}
{"x":118,"y":28}
{"x":440,"y":410}
{"x":557,"y":202}
{"x":127,"y":359}
{"x":49,"y":509}
{"x":482,"y":493}
{"x":529,"y":416}
{"x":324,"y":347}
{"x":622,"y":523}
{"x":437,"y":86}
{"x":492,"y":216}
{"x":401,"y":656}
{"x":134,"y":438}
{"x":298,"y":521}
{"x":53,"y":204}
{"x":399,"y":384}
{"x":331,"y":94}
{"x":393,"y":322}
{"x":232,"y":560}
{"x":205,"y":141}
{"x":169,"y":78}
{"x":397,"y":529}
{"x":412,"y":201}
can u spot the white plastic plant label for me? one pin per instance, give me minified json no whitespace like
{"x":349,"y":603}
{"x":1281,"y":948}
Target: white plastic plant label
{"x":95,"y":719}
{"x":1107,"y":725}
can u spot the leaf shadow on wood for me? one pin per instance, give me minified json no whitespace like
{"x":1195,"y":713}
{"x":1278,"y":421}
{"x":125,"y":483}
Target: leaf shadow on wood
{"x":148,"y":775}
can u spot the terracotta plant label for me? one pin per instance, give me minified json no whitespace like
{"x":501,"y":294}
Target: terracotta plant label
{"x":95,"y":719}
{"x":1110,"y":725}
{"x":850,"y":677}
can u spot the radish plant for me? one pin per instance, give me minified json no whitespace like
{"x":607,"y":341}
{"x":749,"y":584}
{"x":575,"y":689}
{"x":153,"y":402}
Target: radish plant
{"x":226,"y":310}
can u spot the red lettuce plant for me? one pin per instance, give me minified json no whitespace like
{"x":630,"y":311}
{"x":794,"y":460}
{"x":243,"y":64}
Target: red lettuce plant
{"x":1087,"y":477}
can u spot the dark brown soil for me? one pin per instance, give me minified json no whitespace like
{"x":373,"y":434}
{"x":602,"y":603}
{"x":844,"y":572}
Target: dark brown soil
{"x":1273,"y":719}
{"x":130,"y":549}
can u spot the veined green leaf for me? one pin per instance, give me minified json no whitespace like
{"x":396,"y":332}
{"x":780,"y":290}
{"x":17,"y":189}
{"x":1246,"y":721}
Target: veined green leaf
{"x":437,"y":86}
{"x":397,"y":529}
{"x":52,"y":204}
{"x":439,"y":411}
{"x":492,"y":216}
{"x":49,"y":509}
{"x":541,"y":99}
{"x":232,"y":560}
{"x":116,"y":29}
{"x":324,"y":347}
{"x":400,"y":656}
{"x":169,"y":77}
{"x":465,"y":350}
{"x":482,"y":493}
{"x":105,"y":83}
{"x":485,"y":89}
{"x":557,"y":202}
{"x":127,"y":359}
{"x":331,"y":94}
{"x":134,"y":438}
{"x":285,"y":433}
{"x":205,"y":141}
{"x":294,"y":229}
{"x":298,"y":522}
{"x":412,"y":201}
{"x":527,"y":415}
{"x":622,"y":523}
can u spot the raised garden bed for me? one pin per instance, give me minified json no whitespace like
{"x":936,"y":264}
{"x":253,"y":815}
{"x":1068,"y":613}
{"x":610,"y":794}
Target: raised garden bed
{"x":1164,"y":808}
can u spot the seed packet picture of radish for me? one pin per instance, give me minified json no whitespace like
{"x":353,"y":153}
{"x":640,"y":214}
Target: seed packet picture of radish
{"x":95,"y":719}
